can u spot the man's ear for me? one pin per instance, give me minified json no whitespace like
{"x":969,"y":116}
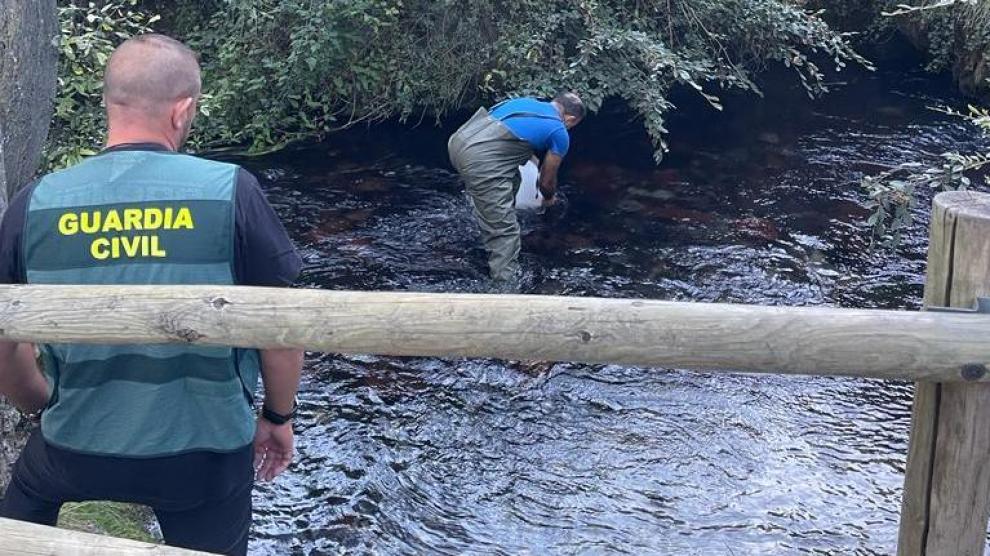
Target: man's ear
{"x":182,"y":112}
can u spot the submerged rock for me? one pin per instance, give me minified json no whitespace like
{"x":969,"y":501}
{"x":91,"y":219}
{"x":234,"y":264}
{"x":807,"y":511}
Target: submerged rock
{"x":892,"y":111}
{"x":661,"y":194}
{"x":631,"y":205}
{"x":372,"y":184}
{"x":681,"y":214}
{"x":769,"y":137}
{"x":333,"y":221}
{"x":754,"y":227}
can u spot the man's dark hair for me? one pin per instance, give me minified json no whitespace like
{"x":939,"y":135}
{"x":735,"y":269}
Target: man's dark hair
{"x":572,"y":104}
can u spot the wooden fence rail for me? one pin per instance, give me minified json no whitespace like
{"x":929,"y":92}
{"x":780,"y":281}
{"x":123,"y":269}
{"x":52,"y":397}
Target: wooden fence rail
{"x":18,"y":538}
{"x":889,"y":344}
{"x":947,"y":487}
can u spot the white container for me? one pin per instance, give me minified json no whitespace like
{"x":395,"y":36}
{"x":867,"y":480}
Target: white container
{"x":529,"y":197}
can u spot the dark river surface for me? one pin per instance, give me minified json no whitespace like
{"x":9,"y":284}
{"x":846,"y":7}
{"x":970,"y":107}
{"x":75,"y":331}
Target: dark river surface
{"x":757,"y":205}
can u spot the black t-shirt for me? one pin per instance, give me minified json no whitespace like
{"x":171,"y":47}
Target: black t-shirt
{"x":263,"y":253}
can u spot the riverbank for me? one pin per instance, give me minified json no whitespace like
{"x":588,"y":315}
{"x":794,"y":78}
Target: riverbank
{"x":954,"y":39}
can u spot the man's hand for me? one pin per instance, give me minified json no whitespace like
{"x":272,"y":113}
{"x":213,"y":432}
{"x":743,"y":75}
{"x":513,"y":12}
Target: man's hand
{"x":20,"y":378}
{"x":280,"y":369}
{"x":548,"y":178}
{"x":273,"y":448}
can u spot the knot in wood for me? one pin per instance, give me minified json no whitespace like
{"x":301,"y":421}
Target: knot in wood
{"x":973,"y":371}
{"x":188,"y":334}
{"x":170,"y":325}
{"x":218,"y":303}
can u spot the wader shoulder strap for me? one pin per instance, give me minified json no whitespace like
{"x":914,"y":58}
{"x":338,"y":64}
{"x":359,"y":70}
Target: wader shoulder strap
{"x":499,"y":104}
{"x":527,"y":115}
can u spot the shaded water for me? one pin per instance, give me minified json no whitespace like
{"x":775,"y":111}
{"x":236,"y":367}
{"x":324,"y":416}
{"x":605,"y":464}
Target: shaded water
{"x":759,"y":205}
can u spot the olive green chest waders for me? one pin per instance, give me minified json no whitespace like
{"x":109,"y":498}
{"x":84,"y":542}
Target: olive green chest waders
{"x":487,"y":156}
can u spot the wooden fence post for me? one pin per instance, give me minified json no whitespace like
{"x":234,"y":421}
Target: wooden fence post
{"x":946,"y":501}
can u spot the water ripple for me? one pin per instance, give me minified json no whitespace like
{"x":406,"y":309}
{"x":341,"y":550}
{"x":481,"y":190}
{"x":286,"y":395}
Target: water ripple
{"x":419,"y":455}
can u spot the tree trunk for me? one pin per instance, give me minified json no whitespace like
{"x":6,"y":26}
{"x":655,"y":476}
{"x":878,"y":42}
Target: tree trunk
{"x":28,"y":58}
{"x":28,"y":31}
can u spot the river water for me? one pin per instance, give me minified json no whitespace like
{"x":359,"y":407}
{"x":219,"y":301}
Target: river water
{"x":756,"y":205}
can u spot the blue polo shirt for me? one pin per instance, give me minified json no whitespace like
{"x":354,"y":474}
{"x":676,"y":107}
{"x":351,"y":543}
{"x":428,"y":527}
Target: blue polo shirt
{"x":538,"y":123}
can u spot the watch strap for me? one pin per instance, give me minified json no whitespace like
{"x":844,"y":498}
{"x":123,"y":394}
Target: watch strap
{"x":278,"y":418}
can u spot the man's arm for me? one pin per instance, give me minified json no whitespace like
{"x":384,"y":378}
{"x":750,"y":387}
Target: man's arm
{"x":274,"y":444}
{"x":548,"y":176}
{"x":264,"y":256}
{"x":281,"y":370}
{"x":20,"y":378}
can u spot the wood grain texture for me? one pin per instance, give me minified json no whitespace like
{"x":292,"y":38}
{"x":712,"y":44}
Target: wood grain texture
{"x":913,"y":532}
{"x":889,"y":344}
{"x":18,"y":538}
{"x":946,"y":502}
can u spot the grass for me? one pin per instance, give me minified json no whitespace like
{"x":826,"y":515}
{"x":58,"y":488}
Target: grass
{"x":108,"y":518}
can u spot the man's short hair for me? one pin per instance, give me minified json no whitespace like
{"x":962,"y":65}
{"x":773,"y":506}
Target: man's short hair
{"x":148,"y":71}
{"x":572,"y":104}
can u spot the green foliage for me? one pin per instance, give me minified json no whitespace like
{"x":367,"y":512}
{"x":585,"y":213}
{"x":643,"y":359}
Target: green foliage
{"x":902,"y":9}
{"x":892,"y":193}
{"x":953,"y":33}
{"x":640,"y":51}
{"x":89,"y":33}
{"x":277,"y":71}
{"x":948,"y":37}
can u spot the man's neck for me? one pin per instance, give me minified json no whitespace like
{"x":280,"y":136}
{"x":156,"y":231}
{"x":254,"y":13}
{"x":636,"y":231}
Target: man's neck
{"x":129,"y":137}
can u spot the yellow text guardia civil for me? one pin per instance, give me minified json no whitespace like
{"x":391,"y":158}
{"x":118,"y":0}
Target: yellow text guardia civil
{"x":110,"y":221}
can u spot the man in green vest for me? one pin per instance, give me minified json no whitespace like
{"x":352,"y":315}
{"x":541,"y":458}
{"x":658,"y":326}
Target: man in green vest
{"x":487,"y":152}
{"x":168,"y":426}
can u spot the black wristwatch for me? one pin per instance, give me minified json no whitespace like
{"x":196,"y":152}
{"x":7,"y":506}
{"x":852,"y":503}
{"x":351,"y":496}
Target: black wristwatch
{"x":278,"y":418}
{"x":34,"y":417}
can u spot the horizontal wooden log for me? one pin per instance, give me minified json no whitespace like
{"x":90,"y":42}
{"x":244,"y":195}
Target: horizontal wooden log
{"x":887,"y":344}
{"x":20,"y":538}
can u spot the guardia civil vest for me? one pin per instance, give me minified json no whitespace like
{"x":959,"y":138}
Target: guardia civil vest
{"x":140,"y":217}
